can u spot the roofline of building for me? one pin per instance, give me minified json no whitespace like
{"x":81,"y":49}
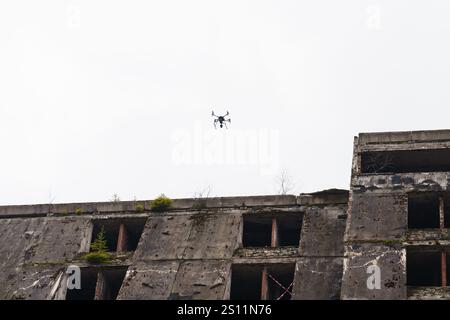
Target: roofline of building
{"x":331,"y":196}
{"x":404,"y":136}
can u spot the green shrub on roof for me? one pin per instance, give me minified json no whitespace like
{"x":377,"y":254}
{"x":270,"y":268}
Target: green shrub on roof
{"x":161,"y":204}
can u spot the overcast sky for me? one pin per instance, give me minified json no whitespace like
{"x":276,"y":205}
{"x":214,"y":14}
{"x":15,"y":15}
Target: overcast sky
{"x":115,"y":97}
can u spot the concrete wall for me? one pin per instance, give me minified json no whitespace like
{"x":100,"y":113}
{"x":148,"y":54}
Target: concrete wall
{"x":34,"y":251}
{"x":319,"y":269}
{"x":182,"y":253}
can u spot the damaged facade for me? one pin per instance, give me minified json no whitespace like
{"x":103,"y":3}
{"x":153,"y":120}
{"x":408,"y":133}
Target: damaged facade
{"x":396,"y":216}
{"x":399,"y":215}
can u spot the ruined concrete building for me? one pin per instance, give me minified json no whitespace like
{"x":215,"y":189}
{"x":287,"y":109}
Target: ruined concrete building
{"x":386,"y":238}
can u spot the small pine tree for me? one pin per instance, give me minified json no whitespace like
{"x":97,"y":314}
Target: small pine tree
{"x":100,"y":244}
{"x":99,"y":250}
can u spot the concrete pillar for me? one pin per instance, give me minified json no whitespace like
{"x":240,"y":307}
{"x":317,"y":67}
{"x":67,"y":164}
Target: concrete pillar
{"x":264,"y":285}
{"x":444,"y":268}
{"x":274,"y":239}
{"x":101,"y":288}
{"x":122,"y":239}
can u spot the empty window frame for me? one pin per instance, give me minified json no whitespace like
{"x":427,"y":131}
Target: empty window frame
{"x":262,"y":282}
{"x":246,"y":282}
{"x":280,"y":282}
{"x":423,"y":210}
{"x":426,"y":267}
{"x":121,"y":235}
{"x":271,"y":231}
{"x":257,"y":231}
{"x":98,"y":284}
{"x":289,"y":228}
{"x":109,"y":283}
{"x":406,"y":161}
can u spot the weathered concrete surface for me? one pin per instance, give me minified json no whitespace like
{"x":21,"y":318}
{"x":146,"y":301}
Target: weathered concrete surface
{"x":42,"y":240}
{"x":34,"y":250}
{"x":185,"y":253}
{"x":201,"y":280}
{"x":402,"y":182}
{"x":319,"y":270}
{"x":331,"y":196}
{"x":164,"y":238}
{"x":427,"y":235}
{"x":392,"y":263}
{"x":376,"y":227}
{"x":429,"y":293}
{"x":149,"y":281}
{"x":30,"y":210}
{"x":265,"y":260}
{"x":377,"y":224}
{"x":377,"y":217}
{"x":192,"y":235}
{"x":212,"y":236}
{"x":181,"y":254}
{"x":266,"y":253}
{"x":404,"y":136}
{"x":30,"y":282}
{"x":323,"y":231}
{"x":318,"y":279}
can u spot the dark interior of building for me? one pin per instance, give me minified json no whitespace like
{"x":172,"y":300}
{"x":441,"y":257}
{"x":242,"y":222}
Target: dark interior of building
{"x":87,"y":290}
{"x":447,"y":211}
{"x":113,"y":281}
{"x":448,"y":267}
{"x":133,"y":227}
{"x":289,"y":228}
{"x":280,"y":281}
{"x":423,"y":267}
{"x":246,"y":282}
{"x":257,"y":231}
{"x":404,"y":161}
{"x":423,"y":210}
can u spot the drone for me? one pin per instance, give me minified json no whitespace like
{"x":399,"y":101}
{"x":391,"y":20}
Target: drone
{"x":221,"y":120}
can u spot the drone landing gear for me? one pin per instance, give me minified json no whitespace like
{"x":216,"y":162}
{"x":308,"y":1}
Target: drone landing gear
{"x":221,"y":120}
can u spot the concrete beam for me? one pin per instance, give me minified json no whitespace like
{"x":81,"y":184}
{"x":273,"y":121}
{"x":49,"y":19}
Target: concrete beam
{"x":132,"y":206}
{"x":404,"y":136}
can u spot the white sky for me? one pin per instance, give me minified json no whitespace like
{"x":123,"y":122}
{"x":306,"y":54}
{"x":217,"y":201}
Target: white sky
{"x":96,"y":97}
